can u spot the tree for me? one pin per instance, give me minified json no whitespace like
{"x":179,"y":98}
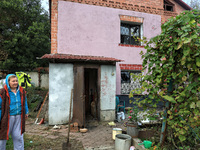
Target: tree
{"x":172,"y":62}
{"x":195,"y":4}
{"x":25,"y":34}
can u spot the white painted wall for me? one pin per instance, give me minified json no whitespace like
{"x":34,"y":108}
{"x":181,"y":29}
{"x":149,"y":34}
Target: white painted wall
{"x":61,"y":82}
{"x":108,"y":91}
{"x":35,"y":79}
{"x":108,"y":87}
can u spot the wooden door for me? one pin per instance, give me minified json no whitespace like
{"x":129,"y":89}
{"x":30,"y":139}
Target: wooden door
{"x":79,"y":97}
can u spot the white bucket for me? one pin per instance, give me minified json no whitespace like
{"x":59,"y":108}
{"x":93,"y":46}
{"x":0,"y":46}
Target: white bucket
{"x":123,"y":115}
{"x":116,"y":131}
{"x":122,"y":142}
{"x":120,"y":116}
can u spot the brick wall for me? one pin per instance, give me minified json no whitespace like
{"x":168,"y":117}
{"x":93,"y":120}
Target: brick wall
{"x":54,"y":25}
{"x":130,"y":67}
{"x":177,"y":10}
{"x":148,"y":6}
{"x":131,"y":18}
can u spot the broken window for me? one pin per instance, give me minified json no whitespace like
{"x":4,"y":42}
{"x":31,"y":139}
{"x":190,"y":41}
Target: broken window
{"x":130,"y":32}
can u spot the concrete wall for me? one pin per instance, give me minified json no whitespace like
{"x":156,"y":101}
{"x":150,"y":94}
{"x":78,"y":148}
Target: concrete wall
{"x":107,"y":93}
{"x":61,"y":81}
{"x":35,"y":79}
{"x":94,"y":30}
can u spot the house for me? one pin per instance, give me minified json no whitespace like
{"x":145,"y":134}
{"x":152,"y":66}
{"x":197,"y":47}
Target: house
{"x":94,"y":48}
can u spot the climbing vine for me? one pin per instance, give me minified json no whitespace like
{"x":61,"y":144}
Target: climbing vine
{"x":172,"y":65}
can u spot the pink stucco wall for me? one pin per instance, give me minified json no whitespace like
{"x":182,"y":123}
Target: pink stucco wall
{"x":94,"y":30}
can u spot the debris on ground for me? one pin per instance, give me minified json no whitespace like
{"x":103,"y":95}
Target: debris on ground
{"x":112,"y":124}
{"x":56,"y":127}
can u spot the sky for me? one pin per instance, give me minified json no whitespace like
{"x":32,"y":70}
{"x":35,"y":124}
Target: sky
{"x":45,"y":3}
{"x":187,"y":1}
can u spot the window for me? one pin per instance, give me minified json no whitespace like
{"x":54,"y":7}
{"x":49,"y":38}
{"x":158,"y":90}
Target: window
{"x":129,"y":33}
{"x":127,"y":82}
{"x":168,"y":6}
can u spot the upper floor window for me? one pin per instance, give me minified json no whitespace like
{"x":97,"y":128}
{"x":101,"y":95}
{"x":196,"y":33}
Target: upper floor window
{"x":130,"y":32}
{"x":168,"y":6}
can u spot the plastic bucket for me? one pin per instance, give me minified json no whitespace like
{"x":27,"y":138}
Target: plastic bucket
{"x":122,"y":142}
{"x":119,"y":116}
{"x":116,"y":131}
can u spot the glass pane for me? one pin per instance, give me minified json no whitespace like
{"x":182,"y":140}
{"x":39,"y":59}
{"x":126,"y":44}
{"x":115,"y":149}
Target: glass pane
{"x":125,"y":39}
{"x":134,"y":41}
{"x":135,"y":31}
{"x":124,"y":30}
{"x":125,"y":77}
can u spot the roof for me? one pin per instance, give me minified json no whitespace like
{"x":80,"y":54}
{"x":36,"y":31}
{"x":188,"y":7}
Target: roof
{"x":70,"y":57}
{"x":183,"y":4}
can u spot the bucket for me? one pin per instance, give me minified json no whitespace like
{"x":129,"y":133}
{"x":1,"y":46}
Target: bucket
{"x":119,"y":116}
{"x":116,"y":131}
{"x":122,"y":142}
{"x":132,"y":130}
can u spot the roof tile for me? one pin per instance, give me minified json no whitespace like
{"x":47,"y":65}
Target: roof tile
{"x":79,"y":57}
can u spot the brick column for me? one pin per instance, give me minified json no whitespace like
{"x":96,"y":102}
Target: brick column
{"x":54,"y":26}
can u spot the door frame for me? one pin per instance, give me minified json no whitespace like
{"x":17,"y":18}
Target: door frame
{"x":79,"y":92}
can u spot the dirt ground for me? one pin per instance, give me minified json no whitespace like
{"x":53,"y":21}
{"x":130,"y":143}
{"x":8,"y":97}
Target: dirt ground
{"x":98,"y":137}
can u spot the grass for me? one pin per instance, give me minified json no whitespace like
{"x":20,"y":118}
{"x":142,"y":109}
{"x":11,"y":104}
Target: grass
{"x":27,"y":143}
{"x":36,"y":142}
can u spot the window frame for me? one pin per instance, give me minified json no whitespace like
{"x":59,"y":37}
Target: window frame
{"x":168,"y":4}
{"x":130,"y":25}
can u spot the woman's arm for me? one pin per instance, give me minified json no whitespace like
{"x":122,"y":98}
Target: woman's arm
{"x":26,"y":108}
{"x":0,"y":107}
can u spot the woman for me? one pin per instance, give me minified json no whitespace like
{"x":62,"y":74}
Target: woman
{"x":13,"y":111}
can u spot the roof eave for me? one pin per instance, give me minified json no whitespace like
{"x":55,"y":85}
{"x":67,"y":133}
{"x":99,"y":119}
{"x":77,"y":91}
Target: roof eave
{"x":183,"y":4}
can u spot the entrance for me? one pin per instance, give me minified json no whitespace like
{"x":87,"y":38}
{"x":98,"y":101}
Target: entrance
{"x":86,"y":105}
{"x":91,"y":93}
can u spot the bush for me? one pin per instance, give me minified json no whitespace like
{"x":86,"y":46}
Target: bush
{"x":35,"y":97}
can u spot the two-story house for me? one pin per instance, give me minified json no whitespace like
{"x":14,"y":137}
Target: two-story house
{"x":94,"y":48}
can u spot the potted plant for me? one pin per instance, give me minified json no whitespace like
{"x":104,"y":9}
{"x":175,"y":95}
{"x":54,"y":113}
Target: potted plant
{"x":132,"y":125}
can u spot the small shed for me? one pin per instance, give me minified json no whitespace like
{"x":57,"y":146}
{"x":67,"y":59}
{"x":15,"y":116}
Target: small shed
{"x":93,"y":80}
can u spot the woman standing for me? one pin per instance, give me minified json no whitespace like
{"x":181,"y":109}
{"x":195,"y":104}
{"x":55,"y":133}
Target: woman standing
{"x":13,"y":111}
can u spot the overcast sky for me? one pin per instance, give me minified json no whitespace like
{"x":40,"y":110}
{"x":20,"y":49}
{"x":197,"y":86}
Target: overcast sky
{"x":45,"y":3}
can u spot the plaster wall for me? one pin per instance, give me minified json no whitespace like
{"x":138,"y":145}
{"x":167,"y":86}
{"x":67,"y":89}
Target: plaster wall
{"x":35,"y":79}
{"x":107,"y":93}
{"x":94,"y":30}
{"x":45,"y":80}
{"x":61,"y":82}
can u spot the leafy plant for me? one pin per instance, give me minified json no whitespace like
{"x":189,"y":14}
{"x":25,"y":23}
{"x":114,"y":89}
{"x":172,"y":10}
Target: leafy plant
{"x":34,"y":98}
{"x":172,"y":65}
{"x":25,"y":34}
{"x":133,"y":115}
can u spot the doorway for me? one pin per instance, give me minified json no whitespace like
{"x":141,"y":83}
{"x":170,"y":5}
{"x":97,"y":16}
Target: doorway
{"x":86,"y":103}
{"x":91,"y":93}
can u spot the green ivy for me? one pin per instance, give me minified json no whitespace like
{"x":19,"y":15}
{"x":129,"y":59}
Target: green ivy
{"x":174,"y":56}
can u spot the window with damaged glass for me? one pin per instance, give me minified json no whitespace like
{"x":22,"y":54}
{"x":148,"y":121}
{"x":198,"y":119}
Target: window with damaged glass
{"x":130,"y":33}
{"x":127,"y":81}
